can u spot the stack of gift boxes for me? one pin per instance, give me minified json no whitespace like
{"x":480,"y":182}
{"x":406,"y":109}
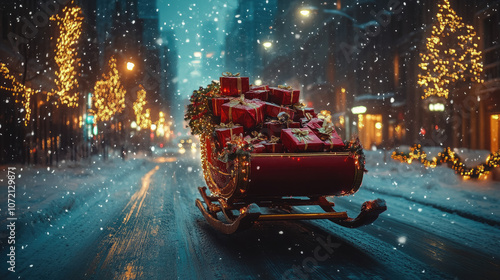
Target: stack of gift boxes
{"x":270,"y":119}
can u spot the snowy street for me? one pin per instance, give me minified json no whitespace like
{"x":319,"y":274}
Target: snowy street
{"x":136,"y":219}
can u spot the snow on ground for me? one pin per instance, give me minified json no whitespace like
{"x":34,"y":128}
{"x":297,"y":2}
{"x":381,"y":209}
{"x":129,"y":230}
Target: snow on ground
{"x":438,"y":187}
{"x":44,"y":194}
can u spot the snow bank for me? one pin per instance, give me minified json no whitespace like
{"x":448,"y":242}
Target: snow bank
{"x":440,"y":187}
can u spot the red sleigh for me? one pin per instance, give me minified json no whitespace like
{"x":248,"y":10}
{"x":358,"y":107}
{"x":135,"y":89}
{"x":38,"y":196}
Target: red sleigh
{"x":242,"y":187}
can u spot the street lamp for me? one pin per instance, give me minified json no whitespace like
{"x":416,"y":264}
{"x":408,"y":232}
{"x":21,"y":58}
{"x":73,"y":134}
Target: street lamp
{"x":267,"y":44}
{"x":305,"y":12}
{"x":130,"y":66}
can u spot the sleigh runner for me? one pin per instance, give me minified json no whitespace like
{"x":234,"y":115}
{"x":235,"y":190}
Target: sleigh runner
{"x":246,"y":174}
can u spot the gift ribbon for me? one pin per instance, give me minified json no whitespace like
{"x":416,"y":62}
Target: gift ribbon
{"x":327,"y":132}
{"x":258,"y":136}
{"x":290,"y":89}
{"x":301,"y":135}
{"x":274,"y":139}
{"x":231,"y":75}
{"x":229,"y":126}
{"x":241,"y":100}
{"x":225,"y":125}
{"x":302,"y":107}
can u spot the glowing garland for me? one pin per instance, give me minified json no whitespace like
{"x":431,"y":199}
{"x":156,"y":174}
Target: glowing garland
{"x":18,"y":89}
{"x":199,"y":112}
{"x":448,"y":156}
{"x":449,"y":59}
{"x":109,"y":94}
{"x":70,"y":27}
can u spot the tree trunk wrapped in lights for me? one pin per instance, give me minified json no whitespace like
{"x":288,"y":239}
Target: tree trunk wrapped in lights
{"x":109,"y":94}
{"x":451,"y":54}
{"x":70,"y":27}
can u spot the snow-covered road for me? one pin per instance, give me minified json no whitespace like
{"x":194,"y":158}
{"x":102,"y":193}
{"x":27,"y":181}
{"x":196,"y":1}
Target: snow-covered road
{"x":137,"y":220}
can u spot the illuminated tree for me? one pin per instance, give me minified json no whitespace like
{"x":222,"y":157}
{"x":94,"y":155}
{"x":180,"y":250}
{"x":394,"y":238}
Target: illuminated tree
{"x":451,"y":54}
{"x":109,"y":94}
{"x":18,"y":89}
{"x":143,"y":119}
{"x":70,"y":29}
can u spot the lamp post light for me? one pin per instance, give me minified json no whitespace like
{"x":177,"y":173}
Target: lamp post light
{"x":130,"y":66}
{"x":267,"y":44}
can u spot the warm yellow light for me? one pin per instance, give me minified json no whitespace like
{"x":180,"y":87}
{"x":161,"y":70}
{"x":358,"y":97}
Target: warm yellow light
{"x":305,"y":12}
{"x":130,"y":66}
{"x":358,"y":110}
{"x":378,"y":125}
{"x":267,"y":44}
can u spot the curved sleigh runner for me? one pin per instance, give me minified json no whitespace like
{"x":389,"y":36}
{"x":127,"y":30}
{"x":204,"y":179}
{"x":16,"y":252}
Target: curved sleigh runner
{"x":251,"y":172}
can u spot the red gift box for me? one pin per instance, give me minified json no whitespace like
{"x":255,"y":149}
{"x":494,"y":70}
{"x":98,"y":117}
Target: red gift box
{"x":258,"y":94}
{"x":248,"y":113}
{"x":273,"y":147}
{"x":272,"y":110}
{"x":225,"y":134}
{"x":274,"y":127}
{"x":300,"y":140}
{"x":329,"y":136}
{"x":315,"y":124}
{"x":304,"y":113}
{"x":232,"y":85}
{"x":217,"y":103}
{"x":258,"y":148}
{"x":284,"y":96}
{"x":333,"y":142}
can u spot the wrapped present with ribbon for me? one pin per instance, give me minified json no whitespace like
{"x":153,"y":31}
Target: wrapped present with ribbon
{"x":257,"y":94}
{"x":247,"y":113}
{"x":233,"y":85}
{"x":301,"y":140}
{"x":315,"y":124}
{"x":273,"y":146}
{"x":284,"y":95}
{"x":272,"y":110}
{"x":258,"y":148}
{"x":301,"y":111}
{"x":217,"y":103}
{"x":226,"y":132}
{"x":274,"y":127}
{"x":330,"y":138}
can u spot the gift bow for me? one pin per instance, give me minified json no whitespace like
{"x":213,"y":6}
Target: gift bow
{"x":326,"y":132}
{"x":302,"y":107}
{"x":229,"y":74}
{"x":301,"y":135}
{"x":258,"y":136}
{"x":225,"y":125}
{"x":238,"y":101}
{"x":299,"y":106}
{"x":285,"y":87}
{"x":274,"y":139}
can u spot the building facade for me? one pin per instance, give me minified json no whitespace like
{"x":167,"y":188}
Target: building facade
{"x":360,"y":60}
